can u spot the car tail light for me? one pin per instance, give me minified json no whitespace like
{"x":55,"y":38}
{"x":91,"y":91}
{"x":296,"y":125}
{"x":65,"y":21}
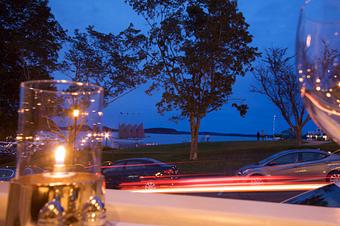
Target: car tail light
{"x":168,"y":171}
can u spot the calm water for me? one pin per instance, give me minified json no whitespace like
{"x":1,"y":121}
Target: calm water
{"x":155,"y":139}
{"x":183,"y":138}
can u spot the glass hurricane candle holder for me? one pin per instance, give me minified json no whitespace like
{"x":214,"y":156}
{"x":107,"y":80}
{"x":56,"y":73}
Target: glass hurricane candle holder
{"x":58,"y":180}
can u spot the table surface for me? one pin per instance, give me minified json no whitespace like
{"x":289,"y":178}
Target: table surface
{"x":128,"y":208}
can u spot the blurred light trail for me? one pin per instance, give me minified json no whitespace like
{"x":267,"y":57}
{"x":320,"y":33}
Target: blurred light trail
{"x":179,"y":181}
{"x":227,"y":184}
{"x":236,"y":188}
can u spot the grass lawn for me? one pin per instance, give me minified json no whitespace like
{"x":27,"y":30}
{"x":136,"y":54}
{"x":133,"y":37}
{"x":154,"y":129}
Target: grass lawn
{"x":214,"y":157}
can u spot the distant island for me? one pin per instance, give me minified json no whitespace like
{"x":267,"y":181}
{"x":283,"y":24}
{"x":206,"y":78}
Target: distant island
{"x":161,"y":130}
{"x":174,"y":131}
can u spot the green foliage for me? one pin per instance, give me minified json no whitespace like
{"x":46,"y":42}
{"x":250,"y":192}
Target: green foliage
{"x":30,"y":39}
{"x":108,"y":60}
{"x":242,"y":108}
{"x":196,"y":51}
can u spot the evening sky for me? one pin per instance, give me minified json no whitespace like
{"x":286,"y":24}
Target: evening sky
{"x":272,"y":23}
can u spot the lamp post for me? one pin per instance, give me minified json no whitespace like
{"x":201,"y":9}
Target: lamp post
{"x":75,"y":116}
{"x":274,"y":119}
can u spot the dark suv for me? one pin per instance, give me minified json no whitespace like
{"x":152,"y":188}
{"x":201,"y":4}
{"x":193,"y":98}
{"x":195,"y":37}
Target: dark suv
{"x":138,"y":172}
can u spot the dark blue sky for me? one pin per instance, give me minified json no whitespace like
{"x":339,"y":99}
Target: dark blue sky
{"x":272,"y":23}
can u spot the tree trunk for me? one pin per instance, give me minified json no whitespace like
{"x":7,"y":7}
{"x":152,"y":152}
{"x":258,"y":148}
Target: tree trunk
{"x":298,"y":132}
{"x":193,"y":148}
{"x":194,"y":128}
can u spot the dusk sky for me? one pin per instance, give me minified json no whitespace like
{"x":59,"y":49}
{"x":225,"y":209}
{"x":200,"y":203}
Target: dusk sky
{"x":272,"y":23}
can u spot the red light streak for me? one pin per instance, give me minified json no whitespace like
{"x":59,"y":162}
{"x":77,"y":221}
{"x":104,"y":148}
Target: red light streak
{"x":236,"y":188}
{"x":225,"y":184}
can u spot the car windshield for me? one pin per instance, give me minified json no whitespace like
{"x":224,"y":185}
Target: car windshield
{"x":269,"y":158}
{"x":327,"y":196}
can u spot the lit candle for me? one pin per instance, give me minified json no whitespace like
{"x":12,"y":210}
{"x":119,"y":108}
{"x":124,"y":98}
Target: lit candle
{"x":59,"y":168}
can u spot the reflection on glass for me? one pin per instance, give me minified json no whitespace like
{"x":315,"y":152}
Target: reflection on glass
{"x":318,"y":63}
{"x":327,"y":196}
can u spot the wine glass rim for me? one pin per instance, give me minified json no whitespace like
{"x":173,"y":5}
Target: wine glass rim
{"x":316,"y":21}
{"x":29,"y":85}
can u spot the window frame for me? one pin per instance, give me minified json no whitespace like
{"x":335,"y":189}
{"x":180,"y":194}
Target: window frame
{"x":273,"y":160}
{"x":113,"y":169}
{"x":320,"y":153}
{"x":137,"y":163}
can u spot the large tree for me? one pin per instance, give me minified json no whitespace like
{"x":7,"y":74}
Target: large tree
{"x":276,"y":79}
{"x":111,"y":61}
{"x":196,"y":50}
{"x":30,"y":39}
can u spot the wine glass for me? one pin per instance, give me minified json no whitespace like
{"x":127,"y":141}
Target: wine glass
{"x":318,"y":63}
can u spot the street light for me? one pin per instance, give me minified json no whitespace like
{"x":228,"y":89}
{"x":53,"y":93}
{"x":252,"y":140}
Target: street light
{"x":75,"y":113}
{"x":107,"y":136}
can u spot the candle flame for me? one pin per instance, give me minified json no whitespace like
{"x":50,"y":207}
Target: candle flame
{"x":59,"y":155}
{"x":75,"y":112}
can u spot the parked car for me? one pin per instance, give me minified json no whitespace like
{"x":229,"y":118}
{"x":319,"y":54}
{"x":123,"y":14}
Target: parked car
{"x":327,"y":196}
{"x":305,"y":164}
{"x":138,"y":171}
